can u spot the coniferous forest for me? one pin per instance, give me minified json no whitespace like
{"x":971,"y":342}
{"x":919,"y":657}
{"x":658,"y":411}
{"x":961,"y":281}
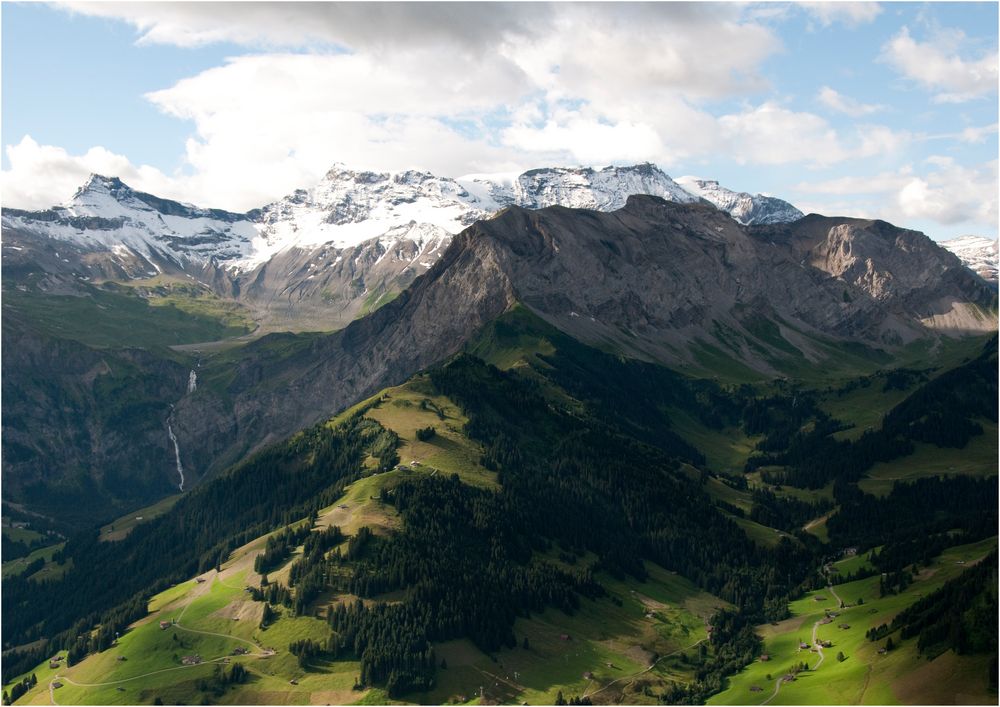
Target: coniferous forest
{"x":609,"y":478}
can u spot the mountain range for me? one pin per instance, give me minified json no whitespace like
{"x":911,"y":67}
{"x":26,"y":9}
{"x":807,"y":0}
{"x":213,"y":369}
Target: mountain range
{"x":660,"y":406}
{"x":317,"y":258}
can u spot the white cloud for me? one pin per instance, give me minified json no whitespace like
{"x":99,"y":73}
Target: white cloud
{"x":937,"y":65}
{"x":977,"y":134}
{"x":462,"y":87}
{"x":851,"y":14}
{"x":449,"y":87}
{"x":587,"y":141}
{"x":41,"y":176}
{"x":943,"y":192}
{"x":845,"y":104}
{"x":772,"y":134}
{"x":952,"y":194}
{"x":474,"y":27}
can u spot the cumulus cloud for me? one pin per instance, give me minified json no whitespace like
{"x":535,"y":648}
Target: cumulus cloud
{"x":461,"y":87}
{"x":473,"y":26}
{"x":937,"y":65}
{"x":41,"y":176}
{"x":448,"y":87}
{"x":941,"y":191}
{"x":952,"y":194}
{"x":772,"y":134}
{"x":845,"y":104}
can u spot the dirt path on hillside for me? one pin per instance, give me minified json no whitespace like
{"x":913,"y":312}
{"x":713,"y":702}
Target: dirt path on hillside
{"x":259,"y":652}
{"x":815,"y":644}
{"x":816,"y":521}
{"x":635,"y":676}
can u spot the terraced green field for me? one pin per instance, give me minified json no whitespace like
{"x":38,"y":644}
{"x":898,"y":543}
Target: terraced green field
{"x":636,"y":637}
{"x":15,"y":567}
{"x":726,"y":451}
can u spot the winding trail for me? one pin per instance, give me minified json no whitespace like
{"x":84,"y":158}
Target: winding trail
{"x":259,"y":652}
{"x":134,"y":677}
{"x":840,"y":602}
{"x":815,"y":644}
{"x":816,"y":521}
{"x":633,"y":677}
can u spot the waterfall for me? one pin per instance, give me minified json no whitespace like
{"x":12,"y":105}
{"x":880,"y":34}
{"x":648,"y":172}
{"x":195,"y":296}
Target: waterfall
{"x":177,"y":453}
{"x":192,"y":382}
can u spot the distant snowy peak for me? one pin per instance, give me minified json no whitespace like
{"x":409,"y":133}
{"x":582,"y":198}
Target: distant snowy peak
{"x":107,"y":196}
{"x":603,"y":189}
{"x":106,"y":214}
{"x":748,"y":209}
{"x":348,"y":207}
{"x":978,"y":253}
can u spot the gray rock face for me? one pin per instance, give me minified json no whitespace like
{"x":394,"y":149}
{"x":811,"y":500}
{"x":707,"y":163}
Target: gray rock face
{"x":656,"y":280}
{"x":84,"y":430}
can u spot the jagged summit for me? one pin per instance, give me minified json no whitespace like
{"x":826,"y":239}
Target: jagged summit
{"x":748,"y":209}
{"x":101,"y":184}
{"x":603,"y":189}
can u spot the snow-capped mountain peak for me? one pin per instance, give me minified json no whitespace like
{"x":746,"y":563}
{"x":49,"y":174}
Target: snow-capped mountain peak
{"x":347,"y":209}
{"x":746,"y":208}
{"x":604,"y":189}
{"x":105,"y":214}
{"x":103,"y":197}
{"x":978,"y":253}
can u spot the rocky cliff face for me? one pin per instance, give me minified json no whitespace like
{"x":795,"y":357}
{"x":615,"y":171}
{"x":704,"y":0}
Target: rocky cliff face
{"x":655,"y":280}
{"x":271,"y":396}
{"x":85,"y":430}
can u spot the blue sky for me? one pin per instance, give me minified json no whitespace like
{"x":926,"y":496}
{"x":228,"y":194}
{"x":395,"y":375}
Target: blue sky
{"x":885,"y":111}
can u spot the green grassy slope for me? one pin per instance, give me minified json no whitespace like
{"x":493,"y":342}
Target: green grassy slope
{"x":625,"y":647}
{"x":121,"y":527}
{"x":117,"y":316}
{"x":865,"y":676}
{"x":977,"y":458}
